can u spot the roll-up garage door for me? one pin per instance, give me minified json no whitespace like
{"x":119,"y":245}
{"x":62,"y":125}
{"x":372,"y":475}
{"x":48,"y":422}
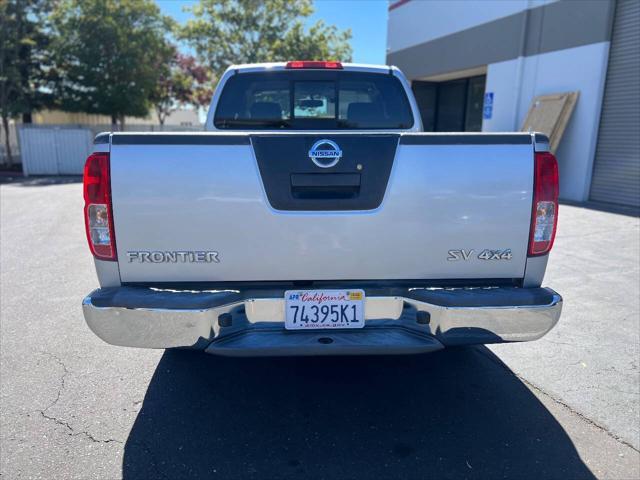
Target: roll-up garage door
{"x":616,"y":171}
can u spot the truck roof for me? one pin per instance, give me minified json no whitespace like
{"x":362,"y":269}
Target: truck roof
{"x":354,"y":67}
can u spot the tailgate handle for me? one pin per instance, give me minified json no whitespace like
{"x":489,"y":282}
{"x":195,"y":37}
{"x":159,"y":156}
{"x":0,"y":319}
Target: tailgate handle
{"x":325,"y":185}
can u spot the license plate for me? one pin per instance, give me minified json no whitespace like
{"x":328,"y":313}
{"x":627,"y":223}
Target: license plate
{"x":316,"y":309}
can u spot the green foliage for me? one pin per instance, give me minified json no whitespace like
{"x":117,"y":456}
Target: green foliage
{"x":113,"y":57}
{"x":110,"y":55}
{"x":225,"y":32}
{"x":25,"y":69}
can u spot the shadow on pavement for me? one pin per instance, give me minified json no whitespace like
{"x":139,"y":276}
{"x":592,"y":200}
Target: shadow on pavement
{"x":459,"y":413}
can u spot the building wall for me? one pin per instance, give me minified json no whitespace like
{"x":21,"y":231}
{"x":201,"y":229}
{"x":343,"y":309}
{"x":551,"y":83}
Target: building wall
{"x":529,"y":48}
{"x":616,"y":167}
{"x":58,"y":117}
{"x":183,"y":116}
{"x":414,"y":22}
{"x":516,"y":82}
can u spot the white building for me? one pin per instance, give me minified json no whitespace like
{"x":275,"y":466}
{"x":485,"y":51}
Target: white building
{"x":455,"y":51}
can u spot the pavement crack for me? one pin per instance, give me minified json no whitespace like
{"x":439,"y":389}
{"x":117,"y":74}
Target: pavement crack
{"x":555,"y":342}
{"x":70,"y":430}
{"x":575,"y":412}
{"x":73,"y":433}
{"x":62,"y":378}
{"x":502,"y":365}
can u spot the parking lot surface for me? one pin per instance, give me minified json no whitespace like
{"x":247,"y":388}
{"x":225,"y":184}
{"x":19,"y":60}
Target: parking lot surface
{"x":71,"y":406}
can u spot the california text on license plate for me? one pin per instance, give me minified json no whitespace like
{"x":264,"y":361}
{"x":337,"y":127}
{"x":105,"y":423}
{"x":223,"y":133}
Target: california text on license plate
{"x":309,"y":309}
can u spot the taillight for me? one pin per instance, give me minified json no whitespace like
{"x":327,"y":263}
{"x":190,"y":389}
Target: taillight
{"x":314,"y":64}
{"x":98,"y":214}
{"x":544,"y":217}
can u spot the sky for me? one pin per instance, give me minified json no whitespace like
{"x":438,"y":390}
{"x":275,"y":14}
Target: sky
{"x":367,"y":20}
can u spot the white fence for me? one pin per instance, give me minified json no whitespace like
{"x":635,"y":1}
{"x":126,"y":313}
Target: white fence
{"x":50,"y":151}
{"x":62,"y":150}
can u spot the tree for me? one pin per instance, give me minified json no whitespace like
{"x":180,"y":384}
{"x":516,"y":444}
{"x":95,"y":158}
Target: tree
{"x":225,"y":32}
{"x":25,"y":70}
{"x":321,"y":42}
{"x":182,"y":81}
{"x":202,"y":88}
{"x":108,"y":53}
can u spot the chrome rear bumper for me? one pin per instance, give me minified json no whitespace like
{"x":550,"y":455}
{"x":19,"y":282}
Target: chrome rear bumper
{"x":251,"y":322}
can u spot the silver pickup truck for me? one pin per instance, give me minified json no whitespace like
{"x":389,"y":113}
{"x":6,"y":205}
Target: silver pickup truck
{"x":314,"y":217}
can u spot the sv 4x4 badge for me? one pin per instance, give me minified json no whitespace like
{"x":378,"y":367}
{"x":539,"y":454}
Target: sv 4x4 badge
{"x":486,"y":254}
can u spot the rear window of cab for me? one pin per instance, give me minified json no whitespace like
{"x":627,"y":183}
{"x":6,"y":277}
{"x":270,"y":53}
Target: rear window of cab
{"x":313,"y":100}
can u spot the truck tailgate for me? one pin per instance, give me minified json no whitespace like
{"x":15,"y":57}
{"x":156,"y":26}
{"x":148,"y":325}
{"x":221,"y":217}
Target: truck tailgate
{"x":392,"y":208}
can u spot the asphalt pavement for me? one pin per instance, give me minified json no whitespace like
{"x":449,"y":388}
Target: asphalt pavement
{"x":71,"y":406}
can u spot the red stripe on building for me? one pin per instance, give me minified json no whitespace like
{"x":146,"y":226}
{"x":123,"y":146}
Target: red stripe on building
{"x":397,"y":4}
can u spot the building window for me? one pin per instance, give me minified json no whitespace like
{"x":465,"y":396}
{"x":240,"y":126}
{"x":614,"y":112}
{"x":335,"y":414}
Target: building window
{"x":452,"y":106}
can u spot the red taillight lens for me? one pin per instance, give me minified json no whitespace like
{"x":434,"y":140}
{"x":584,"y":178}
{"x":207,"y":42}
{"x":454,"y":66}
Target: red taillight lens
{"x":544,"y":217}
{"x":98,"y":215}
{"x":314,"y":64}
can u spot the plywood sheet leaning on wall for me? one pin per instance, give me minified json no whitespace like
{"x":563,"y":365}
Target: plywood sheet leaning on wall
{"x":550,"y":114}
